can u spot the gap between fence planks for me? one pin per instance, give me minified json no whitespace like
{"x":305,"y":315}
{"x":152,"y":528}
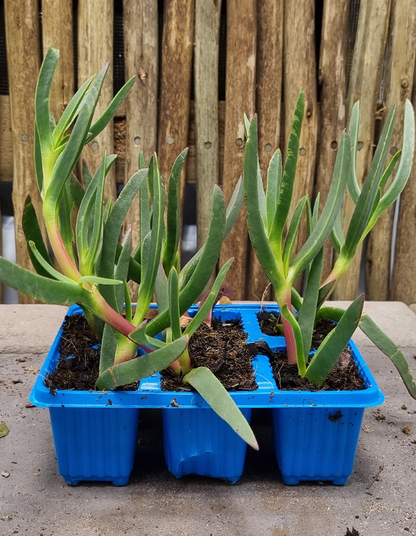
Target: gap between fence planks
{"x":398,"y":87}
{"x":207,"y":27}
{"x":141,"y":61}
{"x":177,"y":51}
{"x":95,"y":49}
{"x":300,"y":72}
{"x":240,"y":92}
{"x":268,"y":106}
{"x":364,"y":84}
{"x":23,"y":63}
{"x":332,"y":112}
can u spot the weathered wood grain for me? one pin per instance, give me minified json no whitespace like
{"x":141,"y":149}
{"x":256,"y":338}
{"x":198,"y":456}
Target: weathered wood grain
{"x":207,"y":26}
{"x":240,"y":99}
{"x":403,"y":284}
{"x":364,"y":85}
{"x":58,"y":32}
{"x":6,"y":140}
{"x":23,"y":63}
{"x":176,"y":69}
{"x":95,"y":49}
{"x":269,"y":65}
{"x":141,"y":61}
{"x":332,"y":110}
{"x":398,"y":88}
{"x":300,"y":72}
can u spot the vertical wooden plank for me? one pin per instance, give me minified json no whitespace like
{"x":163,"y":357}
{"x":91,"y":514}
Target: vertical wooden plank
{"x":6,"y":142}
{"x":141,"y":61}
{"x":403,"y":285}
{"x":207,"y":26}
{"x":57,"y":31}
{"x":364,"y":85}
{"x":300,"y":72}
{"x":177,"y":50}
{"x":95,"y":48}
{"x":240,"y":99}
{"x":398,"y":88}
{"x":268,"y":106}
{"x":332,"y":113}
{"x":23,"y":63}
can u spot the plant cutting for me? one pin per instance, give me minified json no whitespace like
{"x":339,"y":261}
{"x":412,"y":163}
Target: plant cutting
{"x":94,"y":267}
{"x":267,"y":215}
{"x":309,"y":442}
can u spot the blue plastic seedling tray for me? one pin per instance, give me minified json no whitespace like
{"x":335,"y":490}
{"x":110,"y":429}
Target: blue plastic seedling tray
{"x":198,"y":441}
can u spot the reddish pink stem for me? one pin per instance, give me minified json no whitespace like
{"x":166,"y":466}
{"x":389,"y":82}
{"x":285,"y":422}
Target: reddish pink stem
{"x":288,"y":333}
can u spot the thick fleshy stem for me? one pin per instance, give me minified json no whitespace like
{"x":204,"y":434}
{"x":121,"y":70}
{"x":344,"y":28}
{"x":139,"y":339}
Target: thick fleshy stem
{"x":288,"y":330}
{"x":62,"y":256}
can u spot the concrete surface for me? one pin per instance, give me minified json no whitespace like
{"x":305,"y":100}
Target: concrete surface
{"x":34,"y":500}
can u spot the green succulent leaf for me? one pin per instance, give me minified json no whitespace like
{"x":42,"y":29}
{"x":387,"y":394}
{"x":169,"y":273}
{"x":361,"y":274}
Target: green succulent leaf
{"x":161,"y":290}
{"x":142,"y":366}
{"x":65,"y":208}
{"x":234,"y":207}
{"x":110,"y":111}
{"x":293,"y":232}
{"x":334,"y":343}
{"x":112,"y":229}
{"x":402,"y":175}
{"x":391,"y":350}
{"x":70,"y":155}
{"x":212,"y":390}
{"x":41,"y":288}
{"x":329,"y":214}
{"x":289,"y":174}
{"x":300,"y":357}
{"x":274,"y":179}
{"x":256,"y":229}
{"x":203,"y":268}
{"x":173,"y":215}
{"x":364,"y":206}
{"x":70,"y":112}
{"x":43,"y":90}
{"x":353,"y":186}
{"x":108,"y":349}
{"x":46,"y":266}
{"x":33,"y":233}
{"x":77,"y":191}
{"x":151,"y":257}
{"x":122,"y":270}
{"x":307,"y":313}
{"x":175,"y":317}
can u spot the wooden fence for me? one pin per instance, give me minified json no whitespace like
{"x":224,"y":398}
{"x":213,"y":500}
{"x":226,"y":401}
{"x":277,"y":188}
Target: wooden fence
{"x":200,"y":65}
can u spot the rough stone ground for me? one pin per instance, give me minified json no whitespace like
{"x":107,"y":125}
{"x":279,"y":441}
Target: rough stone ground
{"x":35,"y":501}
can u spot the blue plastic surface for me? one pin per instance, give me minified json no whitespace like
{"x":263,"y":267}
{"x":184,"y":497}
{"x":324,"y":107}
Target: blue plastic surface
{"x":201,"y":443}
{"x":94,"y":443}
{"x":296,"y":414}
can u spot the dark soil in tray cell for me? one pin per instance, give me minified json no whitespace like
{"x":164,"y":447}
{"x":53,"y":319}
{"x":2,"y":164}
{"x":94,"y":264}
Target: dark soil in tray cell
{"x":222,"y":348}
